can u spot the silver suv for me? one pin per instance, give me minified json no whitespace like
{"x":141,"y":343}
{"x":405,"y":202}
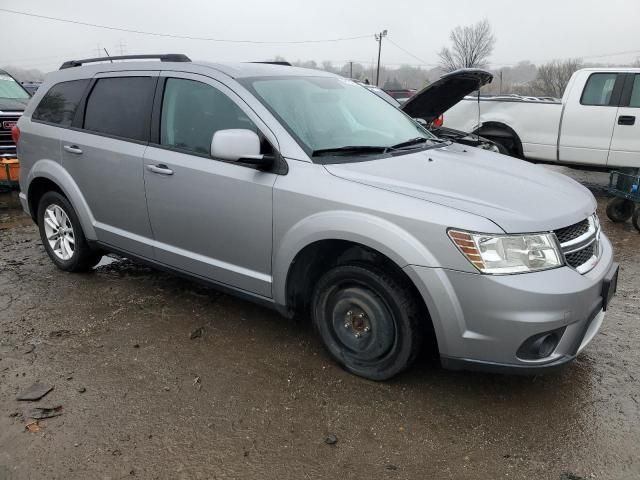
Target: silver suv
{"x":305,"y":192}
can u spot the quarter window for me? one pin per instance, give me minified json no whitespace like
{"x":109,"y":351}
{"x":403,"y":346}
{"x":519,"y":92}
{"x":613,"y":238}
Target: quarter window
{"x":60,"y":103}
{"x":121,"y":106}
{"x":599,"y":89}
{"x":193,"y":111}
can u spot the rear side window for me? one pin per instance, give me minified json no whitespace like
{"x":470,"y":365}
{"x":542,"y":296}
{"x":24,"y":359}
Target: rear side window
{"x":635,"y":92}
{"x":121,"y":106}
{"x":60,"y":103}
{"x":599,"y":89}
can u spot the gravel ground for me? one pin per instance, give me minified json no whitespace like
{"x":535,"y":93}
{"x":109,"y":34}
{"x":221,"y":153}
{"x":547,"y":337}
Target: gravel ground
{"x":254,"y":396}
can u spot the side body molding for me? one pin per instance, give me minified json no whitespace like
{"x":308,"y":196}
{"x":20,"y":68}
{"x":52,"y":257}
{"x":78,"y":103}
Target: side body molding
{"x":362,"y":228}
{"x":57,"y":174}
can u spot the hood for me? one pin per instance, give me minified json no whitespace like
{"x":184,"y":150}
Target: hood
{"x":13,"y":104}
{"x":518,"y":196}
{"x":438,"y":97}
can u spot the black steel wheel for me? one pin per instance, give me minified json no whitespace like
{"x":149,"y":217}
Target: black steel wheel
{"x":369,"y":320}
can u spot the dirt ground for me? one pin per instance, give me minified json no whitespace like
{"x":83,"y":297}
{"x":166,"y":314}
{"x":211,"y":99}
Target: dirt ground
{"x":254,"y":396}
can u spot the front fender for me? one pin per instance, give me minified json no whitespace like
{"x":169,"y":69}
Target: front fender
{"x":365,"y":229}
{"x":53,"y":171}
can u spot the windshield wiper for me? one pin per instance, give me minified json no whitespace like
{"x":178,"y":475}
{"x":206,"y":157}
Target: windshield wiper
{"x":351,"y":149}
{"x":419,"y":140}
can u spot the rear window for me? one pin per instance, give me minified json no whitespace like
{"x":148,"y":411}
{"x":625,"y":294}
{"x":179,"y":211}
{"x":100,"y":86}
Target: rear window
{"x":60,"y":103}
{"x":121,"y":106}
{"x":599,"y":89}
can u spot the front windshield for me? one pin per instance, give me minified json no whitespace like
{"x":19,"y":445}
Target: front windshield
{"x":326,"y":113}
{"x":9,"y":88}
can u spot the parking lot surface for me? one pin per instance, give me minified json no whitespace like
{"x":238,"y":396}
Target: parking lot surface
{"x":161,"y":378}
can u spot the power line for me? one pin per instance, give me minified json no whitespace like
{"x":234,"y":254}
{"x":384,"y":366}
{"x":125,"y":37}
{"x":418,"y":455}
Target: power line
{"x":411,"y":54}
{"x":184,"y":37}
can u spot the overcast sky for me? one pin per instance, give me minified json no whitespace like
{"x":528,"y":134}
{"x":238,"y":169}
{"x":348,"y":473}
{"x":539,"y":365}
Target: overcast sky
{"x":538,"y":30}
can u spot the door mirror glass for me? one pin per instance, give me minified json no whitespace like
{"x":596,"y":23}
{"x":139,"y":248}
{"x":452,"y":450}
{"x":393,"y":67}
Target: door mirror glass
{"x":235,"y":145}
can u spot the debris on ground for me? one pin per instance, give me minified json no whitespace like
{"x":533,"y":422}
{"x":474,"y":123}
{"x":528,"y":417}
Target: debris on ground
{"x":197,"y":333}
{"x":331,"y":439}
{"x":82,"y":390}
{"x":33,"y":427}
{"x":35,"y":392}
{"x":40,"y":413}
{"x":391,"y":467}
{"x":197,"y":383}
{"x":570,"y":476}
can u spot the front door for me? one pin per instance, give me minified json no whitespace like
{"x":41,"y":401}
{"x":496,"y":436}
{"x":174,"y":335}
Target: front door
{"x":209,"y":217}
{"x":625,"y":144}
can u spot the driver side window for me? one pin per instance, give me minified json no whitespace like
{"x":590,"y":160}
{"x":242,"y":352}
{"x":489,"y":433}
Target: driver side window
{"x":193,"y":111}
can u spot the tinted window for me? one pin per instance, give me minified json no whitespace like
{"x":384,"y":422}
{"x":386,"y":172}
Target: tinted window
{"x":60,"y":103}
{"x":192,"y":112}
{"x":635,"y":92}
{"x":121,"y":106}
{"x":598,"y":89}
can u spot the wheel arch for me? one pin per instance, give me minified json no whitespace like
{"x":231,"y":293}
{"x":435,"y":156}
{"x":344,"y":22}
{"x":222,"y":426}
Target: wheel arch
{"x":47,"y":175}
{"x":496,"y":130}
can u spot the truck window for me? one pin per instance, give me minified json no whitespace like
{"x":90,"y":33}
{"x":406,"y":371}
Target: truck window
{"x":635,"y":92}
{"x":599,"y":89}
{"x":121,"y":106}
{"x":59,"y":104}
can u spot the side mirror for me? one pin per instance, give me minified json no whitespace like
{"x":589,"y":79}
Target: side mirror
{"x":239,"y":145}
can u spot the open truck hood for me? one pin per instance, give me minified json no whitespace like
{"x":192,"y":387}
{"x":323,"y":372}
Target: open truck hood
{"x":438,"y":97}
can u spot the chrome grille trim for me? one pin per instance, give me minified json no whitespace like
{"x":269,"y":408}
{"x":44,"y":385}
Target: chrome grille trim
{"x":588,"y":240}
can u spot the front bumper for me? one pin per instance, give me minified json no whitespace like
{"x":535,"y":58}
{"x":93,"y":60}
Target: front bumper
{"x":480,"y":321}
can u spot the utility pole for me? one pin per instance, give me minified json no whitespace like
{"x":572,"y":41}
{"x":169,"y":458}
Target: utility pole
{"x":378,"y":37}
{"x":350,"y":69}
{"x":501,"y":82}
{"x":122,"y":46}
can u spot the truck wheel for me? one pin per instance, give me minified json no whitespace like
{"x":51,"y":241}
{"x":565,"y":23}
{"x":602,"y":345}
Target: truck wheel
{"x":368,"y":320}
{"x":636,"y":219}
{"x":620,"y":209}
{"x":62,"y":235}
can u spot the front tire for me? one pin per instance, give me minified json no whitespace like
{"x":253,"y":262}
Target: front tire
{"x":368,"y":320}
{"x":62,"y":235}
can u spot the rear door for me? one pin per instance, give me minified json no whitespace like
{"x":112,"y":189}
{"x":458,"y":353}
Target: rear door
{"x":625,"y":145}
{"x":589,"y":118}
{"x":103,"y":153}
{"x":209,"y":217}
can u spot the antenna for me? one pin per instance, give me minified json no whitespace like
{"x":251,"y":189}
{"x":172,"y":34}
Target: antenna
{"x":105,"y":51}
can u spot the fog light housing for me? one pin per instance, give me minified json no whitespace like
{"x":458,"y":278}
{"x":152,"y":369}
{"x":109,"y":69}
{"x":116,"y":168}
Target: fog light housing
{"x":541,"y":345}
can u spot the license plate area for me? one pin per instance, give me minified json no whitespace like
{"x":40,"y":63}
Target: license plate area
{"x":609,"y":285}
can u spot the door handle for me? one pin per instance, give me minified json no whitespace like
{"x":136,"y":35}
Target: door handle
{"x":161,"y":168}
{"x":626,"y":120}
{"x":73,"y":149}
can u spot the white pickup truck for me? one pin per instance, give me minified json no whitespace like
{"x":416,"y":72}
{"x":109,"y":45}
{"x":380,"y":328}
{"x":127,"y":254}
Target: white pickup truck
{"x":594,"y":124}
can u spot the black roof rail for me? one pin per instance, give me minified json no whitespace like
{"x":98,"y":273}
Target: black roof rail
{"x":166,"y":57}
{"x":276,"y":62}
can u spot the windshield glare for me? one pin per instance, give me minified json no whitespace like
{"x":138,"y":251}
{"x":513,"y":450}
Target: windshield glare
{"x":9,"y":88}
{"x":330,"y":112}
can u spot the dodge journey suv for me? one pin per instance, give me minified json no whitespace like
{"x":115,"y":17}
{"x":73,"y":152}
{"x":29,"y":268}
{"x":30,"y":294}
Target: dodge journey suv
{"x":304,"y":191}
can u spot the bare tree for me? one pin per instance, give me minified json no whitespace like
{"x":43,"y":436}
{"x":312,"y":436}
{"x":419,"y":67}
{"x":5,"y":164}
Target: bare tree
{"x":554,"y":76}
{"x":471,"y":47}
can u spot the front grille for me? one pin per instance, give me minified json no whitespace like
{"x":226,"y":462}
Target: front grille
{"x":580,"y":243}
{"x":6,"y":142}
{"x":567,"y":234}
{"x":579,"y":258}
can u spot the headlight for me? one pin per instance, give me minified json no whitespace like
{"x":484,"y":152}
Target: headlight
{"x":504,"y":254}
